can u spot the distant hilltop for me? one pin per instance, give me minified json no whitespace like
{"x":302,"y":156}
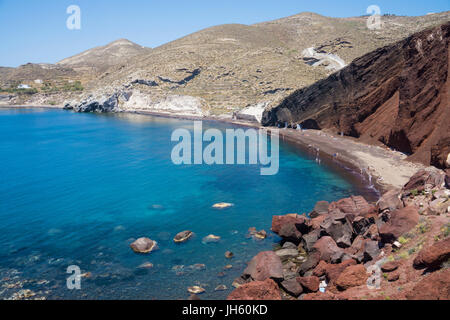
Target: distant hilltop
{"x":218,"y":71}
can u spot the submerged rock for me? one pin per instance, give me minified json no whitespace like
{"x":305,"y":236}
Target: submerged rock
{"x":197,"y":267}
{"x":146,"y":265}
{"x":210,"y":238}
{"x":183,"y":236}
{"x":144,"y":245}
{"x":221,"y":287}
{"x":229,"y":254}
{"x":260,"y":235}
{"x":196,"y":290}
{"x":222,"y":205}
{"x":320,"y":208}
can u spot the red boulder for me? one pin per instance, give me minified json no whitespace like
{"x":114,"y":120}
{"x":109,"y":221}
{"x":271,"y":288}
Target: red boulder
{"x":434,"y":256}
{"x":401,"y":221}
{"x":256,"y":290}
{"x":310,"y":284}
{"x":265,"y":265}
{"x":353,"y":276}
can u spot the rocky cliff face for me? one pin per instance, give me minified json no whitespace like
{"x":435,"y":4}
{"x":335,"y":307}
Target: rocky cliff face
{"x":397,"y":95}
{"x":227,"y":67}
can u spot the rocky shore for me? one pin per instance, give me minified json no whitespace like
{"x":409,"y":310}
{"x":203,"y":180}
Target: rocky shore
{"x":397,"y":248}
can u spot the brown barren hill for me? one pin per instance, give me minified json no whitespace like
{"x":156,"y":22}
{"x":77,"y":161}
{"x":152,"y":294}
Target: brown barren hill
{"x":397,"y":95}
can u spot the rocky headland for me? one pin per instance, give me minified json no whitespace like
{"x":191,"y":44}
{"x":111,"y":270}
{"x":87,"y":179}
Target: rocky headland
{"x":397,"y":248}
{"x":397,"y":96}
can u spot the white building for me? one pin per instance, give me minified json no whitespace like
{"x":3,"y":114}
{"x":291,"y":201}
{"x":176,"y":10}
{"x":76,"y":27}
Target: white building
{"x":23,"y":86}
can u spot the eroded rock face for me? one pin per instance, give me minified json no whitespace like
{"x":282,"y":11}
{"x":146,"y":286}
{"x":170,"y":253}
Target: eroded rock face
{"x":99,"y":105}
{"x":421,"y":178}
{"x":435,"y":286}
{"x":256,"y":290}
{"x":447,"y":179}
{"x":265,"y":265}
{"x":401,"y":221}
{"x":432,"y":257}
{"x":397,"y":95}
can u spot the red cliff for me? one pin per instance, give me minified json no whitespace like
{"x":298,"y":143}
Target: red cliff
{"x":397,"y":95}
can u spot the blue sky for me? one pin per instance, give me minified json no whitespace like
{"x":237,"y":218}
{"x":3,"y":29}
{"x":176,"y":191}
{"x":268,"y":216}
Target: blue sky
{"x":35,"y":31}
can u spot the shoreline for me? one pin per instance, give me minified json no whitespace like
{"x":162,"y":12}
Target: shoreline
{"x":376,"y":168}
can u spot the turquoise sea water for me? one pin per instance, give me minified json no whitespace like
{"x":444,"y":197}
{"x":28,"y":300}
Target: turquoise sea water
{"x":76,"y":189}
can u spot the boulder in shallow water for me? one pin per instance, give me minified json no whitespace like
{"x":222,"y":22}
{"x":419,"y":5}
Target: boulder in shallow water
{"x":229,"y":254}
{"x":146,"y":265}
{"x":320,"y":208}
{"x":260,"y":235}
{"x":144,"y":245}
{"x":221,"y":287}
{"x":211,"y":238}
{"x":222,"y":205}
{"x":196,"y":290}
{"x":183,"y":236}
